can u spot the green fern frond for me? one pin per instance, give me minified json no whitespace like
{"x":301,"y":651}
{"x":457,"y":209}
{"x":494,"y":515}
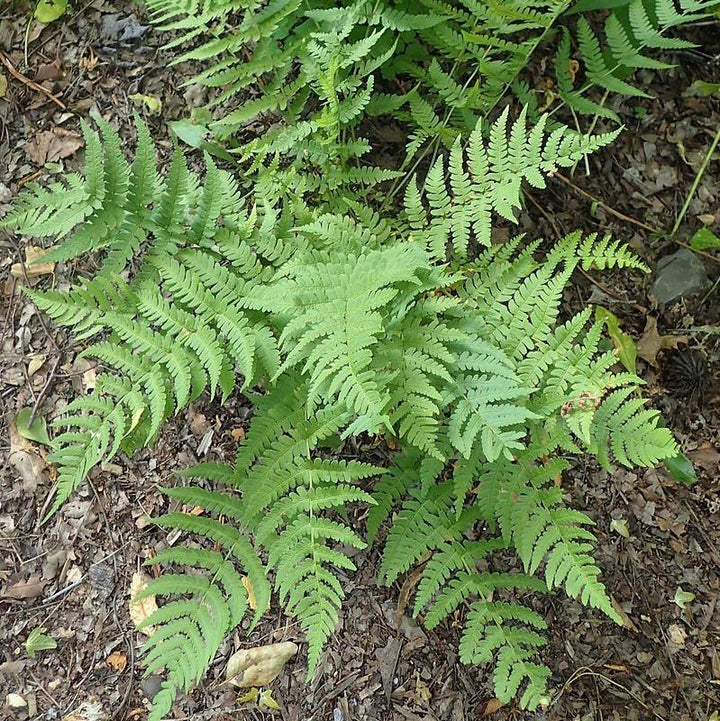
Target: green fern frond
{"x":490,"y":179}
{"x":189,"y":628}
{"x":630,"y":28}
{"x":487,"y":632}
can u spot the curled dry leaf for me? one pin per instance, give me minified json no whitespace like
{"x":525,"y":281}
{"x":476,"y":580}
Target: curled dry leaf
{"x":141,"y":609}
{"x":258,"y":666}
{"x":33,"y":266}
{"x":117,"y":660}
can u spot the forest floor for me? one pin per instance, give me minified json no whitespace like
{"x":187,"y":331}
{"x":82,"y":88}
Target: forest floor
{"x":656,"y":535}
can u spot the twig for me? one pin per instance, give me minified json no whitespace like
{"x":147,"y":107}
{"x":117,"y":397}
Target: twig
{"x":44,"y":390}
{"x":587,"y":671}
{"x":709,"y":256}
{"x":30,"y":83}
{"x":612,"y":211}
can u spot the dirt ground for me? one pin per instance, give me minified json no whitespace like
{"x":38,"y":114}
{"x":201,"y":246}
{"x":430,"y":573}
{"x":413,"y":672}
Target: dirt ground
{"x":656,"y":535}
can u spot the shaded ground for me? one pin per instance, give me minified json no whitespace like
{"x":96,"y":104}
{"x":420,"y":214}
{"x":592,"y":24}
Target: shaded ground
{"x":72,"y":575}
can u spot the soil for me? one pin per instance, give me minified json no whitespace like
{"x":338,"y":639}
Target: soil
{"x":658,"y":539}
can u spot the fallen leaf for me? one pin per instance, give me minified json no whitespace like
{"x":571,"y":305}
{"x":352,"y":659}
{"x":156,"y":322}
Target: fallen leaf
{"x":49,"y":71}
{"x":37,"y":361}
{"x":15,"y":700}
{"x":117,"y":660}
{"x":683,"y":598}
{"x":620,"y":526}
{"x":387,"y":663}
{"x":49,"y":146}
{"x":25,"y":457}
{"x":3,"y":85}
{"x":144,"y":607}
{"x":88,"y":711}
{"x":651,"y":342}
{"x":258,"y":666}
{"x":33,"y":267}
{"x":31,"y":587}
{"x":705,"y":456}
{"x":677,"y":634}
{"x":238,"y":434}
{"x":493,"y":705}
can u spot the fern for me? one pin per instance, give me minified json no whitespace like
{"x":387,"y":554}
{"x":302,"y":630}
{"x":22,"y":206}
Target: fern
{"x":339,"y":320}
{"x":631,"y":28}
{"x":188,"y":630}
{"x":489,"y":180}
{"x":163,"y":354}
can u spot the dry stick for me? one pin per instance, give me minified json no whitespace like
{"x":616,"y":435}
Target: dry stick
{"x":587,"y":671}
{"x":30,"y":83}
{"x":714,"y":258}
{"x":612,"y":211}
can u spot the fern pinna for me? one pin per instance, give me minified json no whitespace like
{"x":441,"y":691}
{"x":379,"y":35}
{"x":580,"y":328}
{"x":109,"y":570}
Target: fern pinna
{"x":413,"y":327}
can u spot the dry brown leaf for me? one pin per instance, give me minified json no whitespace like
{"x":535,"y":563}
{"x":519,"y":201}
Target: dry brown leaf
{"x":49,"y":71}
{"x":117,"y":660}
{"x":31,"y":587}
{"x":33,"y":268}
{"x":677,"y":636}
{"x":49,"y":146}
{"x":25,"y":457}
{"x":258,"y":666}
{"x":492,"y":706}
{"x":651,"y":342}
{"x":140,"y":610}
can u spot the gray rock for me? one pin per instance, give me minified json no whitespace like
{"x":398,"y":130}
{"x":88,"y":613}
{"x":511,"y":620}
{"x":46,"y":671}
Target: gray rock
{"x":678,"y":276}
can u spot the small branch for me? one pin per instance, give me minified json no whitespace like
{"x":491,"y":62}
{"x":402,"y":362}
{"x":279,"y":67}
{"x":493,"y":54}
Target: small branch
{"x":612,"y":211}
{"x":30,"y":83}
